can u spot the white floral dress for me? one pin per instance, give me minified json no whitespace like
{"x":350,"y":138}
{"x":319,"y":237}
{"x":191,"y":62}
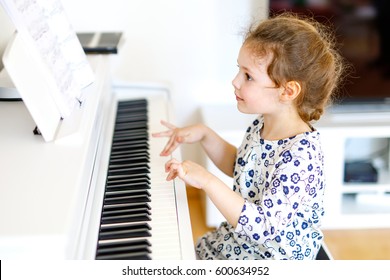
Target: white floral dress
{"x":283,"y":184}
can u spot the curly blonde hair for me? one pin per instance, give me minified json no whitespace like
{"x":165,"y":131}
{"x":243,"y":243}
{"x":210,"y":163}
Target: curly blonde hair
{"x":304,"y":51}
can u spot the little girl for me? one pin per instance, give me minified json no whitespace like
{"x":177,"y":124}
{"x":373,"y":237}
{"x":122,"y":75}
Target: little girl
{"x":287,"y":71}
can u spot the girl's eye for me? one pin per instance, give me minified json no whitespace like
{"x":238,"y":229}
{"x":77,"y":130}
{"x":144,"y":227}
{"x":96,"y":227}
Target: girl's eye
{"x":248,"y":77}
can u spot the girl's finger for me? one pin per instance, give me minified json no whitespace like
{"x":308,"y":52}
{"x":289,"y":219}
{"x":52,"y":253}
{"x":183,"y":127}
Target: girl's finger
{"x":170,"y":146}
{"x":167,"y":133}
{"x":171,"y":175}
{"x":169,"y":163}
{"x":167,"y":124}
{"x":174,"y":170}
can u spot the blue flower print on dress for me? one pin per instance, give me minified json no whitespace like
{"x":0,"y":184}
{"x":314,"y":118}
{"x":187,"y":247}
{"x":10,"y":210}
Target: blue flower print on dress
{"x":256,"y":236}
{"x":241,"y":162}
{"x":295,"y":178}
{"x":276,"y":183}
{"x":268,"y":203}
{"x":243,"y":220}
{"x":287,"y":157}
{"x":304,"y":142}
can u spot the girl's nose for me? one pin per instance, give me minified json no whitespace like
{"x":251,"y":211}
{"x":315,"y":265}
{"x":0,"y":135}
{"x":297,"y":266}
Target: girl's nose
{"x":236,"y":82}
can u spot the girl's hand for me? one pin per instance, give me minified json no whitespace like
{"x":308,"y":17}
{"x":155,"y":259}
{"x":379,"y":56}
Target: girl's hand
{"x":190,"y":172}
{"x":228,"y":202}
{"x":177,"y":136}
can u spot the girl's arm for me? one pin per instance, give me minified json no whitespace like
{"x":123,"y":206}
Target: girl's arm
{"x":228,"y":202}
{"x":221,"y":153}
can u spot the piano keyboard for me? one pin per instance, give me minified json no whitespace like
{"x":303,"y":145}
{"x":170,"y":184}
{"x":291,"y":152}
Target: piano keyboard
{"x":93,"y":212}
{"x":138,"y":218}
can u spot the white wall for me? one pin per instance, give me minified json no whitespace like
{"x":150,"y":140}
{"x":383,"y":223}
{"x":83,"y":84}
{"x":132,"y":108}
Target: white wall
{"x":6,"y":30}
{"x":190,"y":45}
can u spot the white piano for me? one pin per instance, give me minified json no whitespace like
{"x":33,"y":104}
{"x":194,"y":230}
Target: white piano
{"x":71,"y":198}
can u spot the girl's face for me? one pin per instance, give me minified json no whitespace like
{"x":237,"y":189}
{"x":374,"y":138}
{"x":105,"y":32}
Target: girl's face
{"x":255,"y":91}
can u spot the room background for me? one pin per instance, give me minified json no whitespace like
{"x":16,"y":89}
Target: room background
{"x":190,"y":46}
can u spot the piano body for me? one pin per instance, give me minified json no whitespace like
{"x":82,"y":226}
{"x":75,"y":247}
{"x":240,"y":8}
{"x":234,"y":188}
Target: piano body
{"x":72,"y":198}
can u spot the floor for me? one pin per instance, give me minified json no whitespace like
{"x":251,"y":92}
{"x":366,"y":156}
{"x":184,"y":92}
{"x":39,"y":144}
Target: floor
{"x":367,"y":244}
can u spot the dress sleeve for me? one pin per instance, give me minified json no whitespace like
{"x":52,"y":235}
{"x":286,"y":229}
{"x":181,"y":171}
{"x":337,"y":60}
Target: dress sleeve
{"x":290,"y":194}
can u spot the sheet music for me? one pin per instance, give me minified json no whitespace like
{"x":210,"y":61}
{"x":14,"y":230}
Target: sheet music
{"x":44,"y":25}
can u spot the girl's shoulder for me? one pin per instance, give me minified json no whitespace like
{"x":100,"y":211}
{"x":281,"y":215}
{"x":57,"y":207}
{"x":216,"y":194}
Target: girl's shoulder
{"x":302,"y":147}
{"x":304,"y":141}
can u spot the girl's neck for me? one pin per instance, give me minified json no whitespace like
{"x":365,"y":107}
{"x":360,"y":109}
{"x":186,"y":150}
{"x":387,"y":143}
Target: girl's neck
{"x":283,"y":126}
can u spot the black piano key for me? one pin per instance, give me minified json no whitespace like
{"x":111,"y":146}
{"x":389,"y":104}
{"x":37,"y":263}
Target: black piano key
{"x":128,"y":199}
{"x":126,"y":160}
{"x":130,"y":206}
{"x":130,"y":146}
{"x":130,"y":187}
{"x":129,"y":171}
{"x":141,"y":217}
{"x":137,"y":119}
{"x":125,"y":136}
{"x":130,"y":142}
{"x":132,"y":111}
{"x":125,"y":176}
{"x":131,"y":108}
{"x":125,"y":250}
{"x":130,"y":139}
{"x":118,"y":153}
{"x":111,"y":210}
{"x":134,"y":132}
{"x":121,"y":231}
{"x":127,"y":181}
{"x":128,"y":165}
{"x":136,"y":114}
{"x":134,"y":102}
{"x":126,"y":216}
{"x":120,"y":246}
{"x":126,"y":193}
{"x":126,"y":256}
{"x":128,"y":126}
{"x":135,"y":153}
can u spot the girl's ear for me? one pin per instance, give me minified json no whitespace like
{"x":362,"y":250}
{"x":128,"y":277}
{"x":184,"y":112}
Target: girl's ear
{"x":291,"y":90}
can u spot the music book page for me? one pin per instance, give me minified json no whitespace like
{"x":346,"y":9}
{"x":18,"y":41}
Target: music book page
{"x":45,"y":29}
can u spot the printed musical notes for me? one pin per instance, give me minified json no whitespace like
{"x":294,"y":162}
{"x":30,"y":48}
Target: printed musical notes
{"x":46,"y":31}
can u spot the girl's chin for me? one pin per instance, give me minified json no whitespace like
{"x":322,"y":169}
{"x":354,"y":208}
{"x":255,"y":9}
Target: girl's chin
{"x":241,"y":108}
{"x":244,"y":109}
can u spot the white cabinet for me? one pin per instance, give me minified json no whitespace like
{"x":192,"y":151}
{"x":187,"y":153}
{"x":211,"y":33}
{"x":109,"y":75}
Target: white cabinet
{"x":346,"y":137}
{"x":357,"y":200}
